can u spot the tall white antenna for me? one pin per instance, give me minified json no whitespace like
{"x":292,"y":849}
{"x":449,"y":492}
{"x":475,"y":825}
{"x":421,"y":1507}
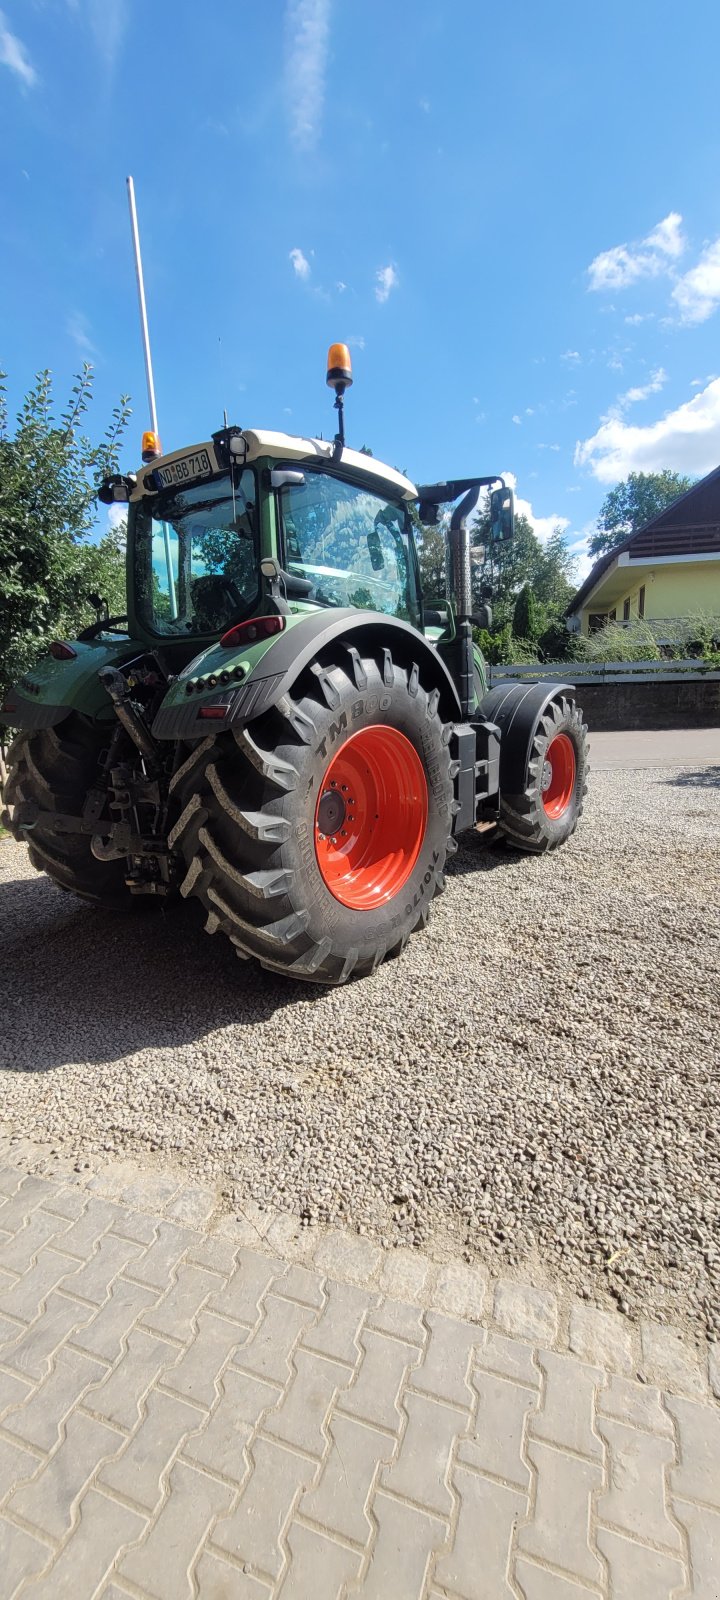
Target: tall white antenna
{"x":143,"y":308}
{"x":149,"y":376}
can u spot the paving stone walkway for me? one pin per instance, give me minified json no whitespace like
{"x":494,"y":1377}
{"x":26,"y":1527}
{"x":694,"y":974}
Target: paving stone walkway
{"x":257,"y":1411}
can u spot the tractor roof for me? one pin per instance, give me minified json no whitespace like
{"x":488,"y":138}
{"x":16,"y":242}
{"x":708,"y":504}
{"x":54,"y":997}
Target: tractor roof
{"x":293,"y":447}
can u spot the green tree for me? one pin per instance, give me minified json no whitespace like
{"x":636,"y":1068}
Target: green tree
{"x":49,"y":476}
{"x":506,"y":568}
{"x":526,"y":621}
{"x":632,"y":503}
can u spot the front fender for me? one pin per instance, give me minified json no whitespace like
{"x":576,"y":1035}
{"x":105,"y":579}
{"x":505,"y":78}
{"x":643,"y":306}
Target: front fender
{"x":515,"y":708}
{"x":52,"y":689}
{"x":289,"y":654}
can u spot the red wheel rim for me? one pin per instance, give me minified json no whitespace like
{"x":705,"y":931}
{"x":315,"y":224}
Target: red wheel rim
{"x":558,"y":775}
{"x":371,"y":817}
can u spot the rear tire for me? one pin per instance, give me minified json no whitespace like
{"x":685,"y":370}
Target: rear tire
{"x":54,"y":768}
{"x":251,"y":823}
{"x":549,"y":809}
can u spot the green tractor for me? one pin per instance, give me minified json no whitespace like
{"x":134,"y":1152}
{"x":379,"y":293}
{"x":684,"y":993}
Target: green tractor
{"x":282,"y":727}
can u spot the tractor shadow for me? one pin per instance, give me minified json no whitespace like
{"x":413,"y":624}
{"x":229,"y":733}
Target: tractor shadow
{"x":704,"y":778}
{"x":481,"y":853}
{"x":85,"y":985}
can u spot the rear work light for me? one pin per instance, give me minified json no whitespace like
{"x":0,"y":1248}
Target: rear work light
{"x":62,"y":651}
{"x":251,"y":632}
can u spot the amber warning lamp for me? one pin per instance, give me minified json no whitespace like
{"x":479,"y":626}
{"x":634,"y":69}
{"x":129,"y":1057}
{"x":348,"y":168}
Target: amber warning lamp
{"x":151,"y":447}
{"x":339,"y":378}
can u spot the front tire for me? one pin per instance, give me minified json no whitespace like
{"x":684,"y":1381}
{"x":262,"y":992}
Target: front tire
{"x":550,"y":807}
{"x":317,"y":837}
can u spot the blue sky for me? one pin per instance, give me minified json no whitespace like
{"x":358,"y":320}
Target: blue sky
{"x":512,"y":214}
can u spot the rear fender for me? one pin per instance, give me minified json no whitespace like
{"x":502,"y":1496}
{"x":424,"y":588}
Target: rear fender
{"x":291,"y":652}
{"x":515,"y":708}
{"x":52,"y":689}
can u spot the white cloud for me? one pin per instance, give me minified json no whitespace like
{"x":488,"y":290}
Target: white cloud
{"x":641,"y":391}
{"x":517,"y":420}
{"x":78,"y":329}
{"x":340,"y":286}
{"x":572,"y":357}
{"x":578,"y":547}
{"x":625,"y":264}
{"x":638,"y":317}
{"x":684,"y":440}
{"x":307,"y":35}
{"x":424,"y":105}
{"x":116,"y":514}
{"x":355,"y":341}
{"x":386,"y":278}
{"x":542,"y":527}
{"x":301,"y":265}
{"x":14,"y":55}
{"x":698,"y":293}
{"x":108,"y":20}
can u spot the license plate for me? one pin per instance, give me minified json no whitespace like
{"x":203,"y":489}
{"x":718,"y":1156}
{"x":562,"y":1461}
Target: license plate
{"x":198,"y":465}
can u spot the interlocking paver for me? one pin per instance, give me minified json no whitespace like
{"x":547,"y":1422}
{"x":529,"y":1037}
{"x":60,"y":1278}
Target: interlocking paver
{"x":196,"y":1373}
{"x":156,"y":1266}
{"x":405,"y":1274}
{"x":119,"y":1399}
{"x":671,"y":1362}
{"x":13,"y":1390}
{"x":267,"y":1353}
{"x":216,"y":1579}
{"x":16,"y":1466}
{"x":20,"y":1251}
{"x":105,"y":1332}
{"x":47,"y":1503}
{"x":299,"y":1283}
{"x":509,"y":1358}
{"x":86,"y":1232}
{"x":240,"y":1299}
{"x":318,"y":1566}
{"x":476,"y":1566}
{"x":525,"y":1312}
{"x":566,"y":1414}
{"x":104,"y":1529}
{"x":151,"y":1191}
{"x":136,"y":1225}
{"x":68,"y":1203}
{"x":39,"y":1420}
{"x":405,"y":1544}
{"x":374,"y":1395}
{"x":601,"y":1338}
{"x":536,"y":1583}
{"x":32,"y":1349}
{"x":444,"y":1367}
{"x":299,"y":1420}
{"x":28,"y":1294}
{"x":637,"y":1572}
{"x":496,"y":1442}
{"x":637,"y":1404}
{"x":137,"y":1473}
{"x":634,"y":1501}
{"x":339,"y":1500}
{"x":697,"y":1477}
{"x":162,"y":1564}
{"x":10,"y":1181}
{"x":288,"y":1238}
{"x":220,"y":1444}
{"x":193,"y":1205}
{"x":560,"y":1530}
{"x":338,"y":1327}
{"x":254,"y":1531}
{"x":703,"y":1528}
{"x":174,"y":1315}
{"x":399,"y":1321}
{"x":21,"y":1556}
{"x":420,"y":1470}
{"x":31,"y":1194}
{"x":93,"y":1281}
{"x":218,"y":1255}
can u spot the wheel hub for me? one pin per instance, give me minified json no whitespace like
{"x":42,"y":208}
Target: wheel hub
{"x":547,"y":773}
{"x":330,"y":812}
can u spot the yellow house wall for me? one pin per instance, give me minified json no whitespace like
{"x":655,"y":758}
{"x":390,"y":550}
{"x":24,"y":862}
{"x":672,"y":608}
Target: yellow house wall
{"x":675,"y":590}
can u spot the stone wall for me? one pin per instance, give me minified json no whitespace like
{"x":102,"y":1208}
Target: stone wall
{"x":612,"y":707}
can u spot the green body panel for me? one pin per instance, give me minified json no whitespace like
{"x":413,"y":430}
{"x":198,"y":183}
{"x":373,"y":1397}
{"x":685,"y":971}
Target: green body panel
{"x":480,"y":667}
{"x":75,"y":684}
{"x":214,"y":660}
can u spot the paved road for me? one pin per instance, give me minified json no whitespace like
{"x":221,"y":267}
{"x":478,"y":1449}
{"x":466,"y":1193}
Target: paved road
{"x":672,"y":747}
{"x":182,"y":1416}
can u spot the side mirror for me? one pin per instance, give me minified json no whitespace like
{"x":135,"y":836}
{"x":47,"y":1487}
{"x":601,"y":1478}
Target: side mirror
{"x":502,"y":516}
{"x":428,"y":513}
{"x":279,"y":476}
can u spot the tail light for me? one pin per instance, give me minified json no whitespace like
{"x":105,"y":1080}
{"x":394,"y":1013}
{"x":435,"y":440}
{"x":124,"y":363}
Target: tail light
{"x":212,"y":713}
{"x":62,"y":651}
{"x":251,"y":632}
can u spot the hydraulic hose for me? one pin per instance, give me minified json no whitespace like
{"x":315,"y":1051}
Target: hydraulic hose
{"x":134,"y":724}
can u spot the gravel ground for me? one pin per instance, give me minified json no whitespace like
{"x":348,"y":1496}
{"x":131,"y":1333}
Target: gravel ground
{"x":535,"y":1084}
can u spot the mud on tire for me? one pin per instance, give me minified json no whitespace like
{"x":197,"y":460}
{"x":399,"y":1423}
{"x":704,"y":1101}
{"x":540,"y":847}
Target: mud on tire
{"x":530,"y":821}
{"x":54,"y":768}
{"x":247,"y":820}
